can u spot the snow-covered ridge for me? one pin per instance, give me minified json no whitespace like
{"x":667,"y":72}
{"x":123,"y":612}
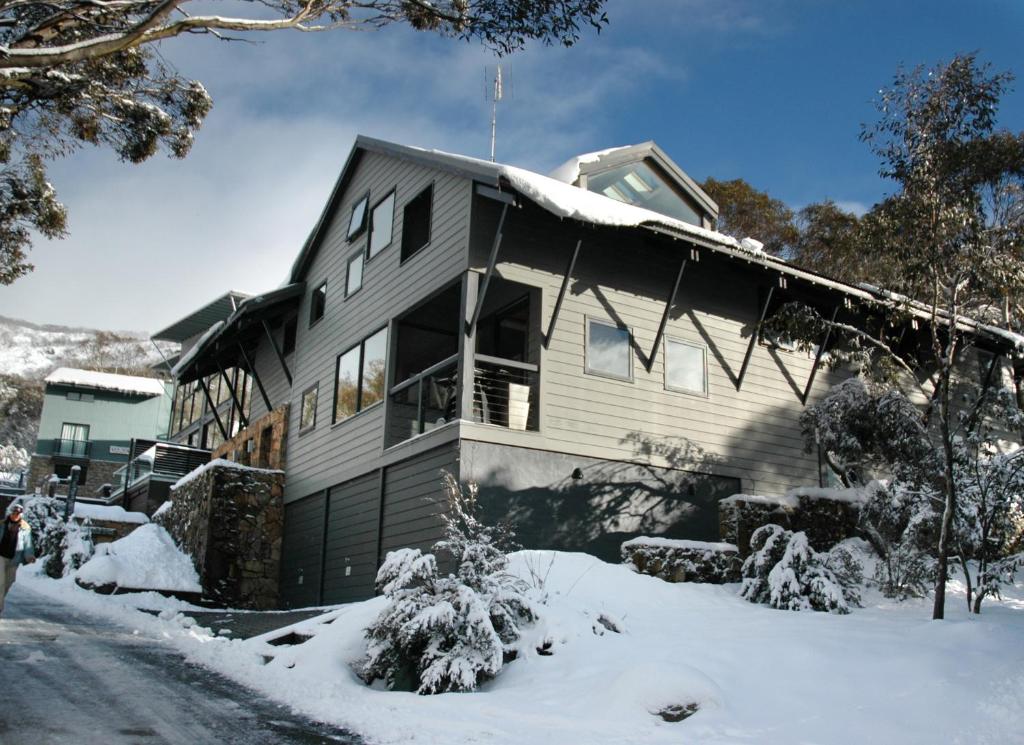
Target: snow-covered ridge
{"x":217,"y":463}
{"x":106,"y":381}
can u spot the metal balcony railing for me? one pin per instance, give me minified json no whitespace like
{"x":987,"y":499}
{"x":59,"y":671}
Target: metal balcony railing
{"x":505,"y":393}
{"x":424,"y":401}
{"x":72,"y":448}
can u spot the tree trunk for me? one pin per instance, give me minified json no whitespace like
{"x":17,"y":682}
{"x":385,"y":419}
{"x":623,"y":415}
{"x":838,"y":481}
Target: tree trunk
{"x":967,"y":579}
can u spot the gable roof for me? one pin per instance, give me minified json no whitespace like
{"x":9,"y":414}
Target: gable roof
{"x":565,"y":200}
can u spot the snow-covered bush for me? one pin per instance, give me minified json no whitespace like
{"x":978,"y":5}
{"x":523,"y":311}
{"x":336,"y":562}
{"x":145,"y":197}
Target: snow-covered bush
{"x":783,"y":571}
{"x":13,"y":461}
{"x":448,"y":632}
{"x":61,"y":548}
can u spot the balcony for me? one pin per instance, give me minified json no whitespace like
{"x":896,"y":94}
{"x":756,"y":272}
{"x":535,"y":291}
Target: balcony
{"x":72,"y":448}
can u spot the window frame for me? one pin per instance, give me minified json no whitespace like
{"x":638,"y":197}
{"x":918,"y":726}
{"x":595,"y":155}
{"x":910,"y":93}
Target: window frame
{"x":430,"y":223}
{"x":361,"y":346}
{"x":370,"y":254}
{"x":361,"y":255}
{"x":364,"y":223}
{"x":706,"y":392}
{"x":315,"y":390}
{"x":320,"y":291}
{"x":587,"y":369}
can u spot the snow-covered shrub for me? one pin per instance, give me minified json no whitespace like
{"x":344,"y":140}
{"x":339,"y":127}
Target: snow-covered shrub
{"x":448,"y":633}
{"x":76,"y":547}
{"x":46,"y":516}
{"x":783,"y":571}
{"x":13,"y":461}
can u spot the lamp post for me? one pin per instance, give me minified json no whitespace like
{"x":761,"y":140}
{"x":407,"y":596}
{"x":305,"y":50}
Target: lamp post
{"x":69,"y":504}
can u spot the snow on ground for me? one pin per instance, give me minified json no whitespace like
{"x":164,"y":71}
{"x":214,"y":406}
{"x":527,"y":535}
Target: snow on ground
{"x":883,"y":674}
{"x":146,"y":558}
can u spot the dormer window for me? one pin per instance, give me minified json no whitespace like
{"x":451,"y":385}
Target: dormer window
{"x":642,"y":185}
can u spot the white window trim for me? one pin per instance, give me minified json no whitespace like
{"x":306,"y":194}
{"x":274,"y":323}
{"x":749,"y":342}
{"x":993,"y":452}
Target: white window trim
{"x":587,"y":370}
{"x":706,"y":393}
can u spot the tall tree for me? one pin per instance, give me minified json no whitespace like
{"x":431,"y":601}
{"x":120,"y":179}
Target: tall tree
{"x":943,"y":248}
{"x":744,"y":211}
{"x":85,"y":71}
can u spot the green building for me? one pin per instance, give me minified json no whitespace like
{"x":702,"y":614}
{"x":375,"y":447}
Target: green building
{"x":89,"y":419}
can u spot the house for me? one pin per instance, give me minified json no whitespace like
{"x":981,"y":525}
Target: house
{"x":584,"y":347}
{"x":89,"y":419}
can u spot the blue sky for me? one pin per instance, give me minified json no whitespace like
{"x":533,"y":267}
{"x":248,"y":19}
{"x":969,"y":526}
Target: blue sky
{"x":773,"y":92}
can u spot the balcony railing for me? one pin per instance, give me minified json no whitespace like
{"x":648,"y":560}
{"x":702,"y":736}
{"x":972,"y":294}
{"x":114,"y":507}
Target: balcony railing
{"x":72,"y":448}
{"x":505,"y":393}
{"x":425,"y":401}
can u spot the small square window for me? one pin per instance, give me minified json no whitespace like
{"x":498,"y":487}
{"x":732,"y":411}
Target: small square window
{"x":317,"y":303}
{"x":609,"y":350}
{"x":307,"y":416}
{"x":382,"y":221}
{"x":354,"y":275}
{"x":357,"y":221}
{"x":416,"y":222}
{"x":74,"y":396}
{"x":686,"y":367}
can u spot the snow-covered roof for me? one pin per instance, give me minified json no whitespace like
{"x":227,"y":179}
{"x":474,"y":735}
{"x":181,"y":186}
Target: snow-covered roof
{"x":569,"y":172}
{"x":106,"y":381}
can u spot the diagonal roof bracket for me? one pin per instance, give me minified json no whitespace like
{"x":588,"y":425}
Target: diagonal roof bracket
{"x":818,"y":355}
{"x":753,"y":338}
{"x":491,"y":262}
{"x":664,"y":316}
{"x":213,"y":408}
{"x":561,"y":293}
{"x":255,"y":376}
{"x":277,"y":351}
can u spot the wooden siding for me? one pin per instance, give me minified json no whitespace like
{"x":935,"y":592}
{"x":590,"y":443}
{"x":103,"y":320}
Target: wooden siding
{"x":272,"y":376}
{"x":301,"y":552}
{"x":332,"y":454}
{"x":414,"y":500}
{"x":350,"y":551}
{"x":624,"y":278}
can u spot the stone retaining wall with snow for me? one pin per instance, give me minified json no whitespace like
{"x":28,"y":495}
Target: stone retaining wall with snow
{"x":827,"y":516}
{"x":683,"y":561}
{"x":230,"y":519}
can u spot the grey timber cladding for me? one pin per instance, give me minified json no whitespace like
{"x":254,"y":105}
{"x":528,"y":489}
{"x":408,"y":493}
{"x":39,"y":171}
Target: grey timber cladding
{"x":414,"y":500}
{"x":350,"y":549}
{"x":272,"y":376}
{"x":331,"y":454}
{"x":301,"y":552}
{"x":751,"y":434}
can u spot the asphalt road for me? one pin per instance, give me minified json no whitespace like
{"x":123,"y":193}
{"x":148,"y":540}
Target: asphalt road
{"x":69,"y":679}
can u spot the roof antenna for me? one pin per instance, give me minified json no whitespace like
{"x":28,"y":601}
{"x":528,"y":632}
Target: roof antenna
{"x":494,"y":88}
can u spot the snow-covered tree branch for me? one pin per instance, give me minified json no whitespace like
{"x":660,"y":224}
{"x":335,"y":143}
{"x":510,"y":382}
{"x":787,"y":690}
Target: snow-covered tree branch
{"x":84,"y":71}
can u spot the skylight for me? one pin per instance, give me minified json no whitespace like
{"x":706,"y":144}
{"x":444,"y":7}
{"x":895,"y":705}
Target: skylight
{"x":639,"y":184}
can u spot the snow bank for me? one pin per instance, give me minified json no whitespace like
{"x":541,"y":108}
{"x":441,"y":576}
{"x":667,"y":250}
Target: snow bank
{"x":791,"y":499}
{"x":106,"y":381}
{"x":885,"y":673}
{"x":146,"y":559}
{"x":111,"y":513}
{"x":217,"y":463}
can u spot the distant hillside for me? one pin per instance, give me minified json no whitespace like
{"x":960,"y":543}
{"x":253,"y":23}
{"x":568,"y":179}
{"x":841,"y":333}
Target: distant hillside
{"x":32,"y":350}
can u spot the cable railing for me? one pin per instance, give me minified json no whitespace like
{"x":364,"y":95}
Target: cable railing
{"x":505,"y":393}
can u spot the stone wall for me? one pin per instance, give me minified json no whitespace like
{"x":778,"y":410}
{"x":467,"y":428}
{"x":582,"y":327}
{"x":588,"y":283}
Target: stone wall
{"x":683,"y":561}
{"x":827,"y":516}
{"x":98,"y":473}
{"x":230,"y":520}
{"x":262,"y":444}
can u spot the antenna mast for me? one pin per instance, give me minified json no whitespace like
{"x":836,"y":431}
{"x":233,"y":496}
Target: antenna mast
{"x":497,"y":93}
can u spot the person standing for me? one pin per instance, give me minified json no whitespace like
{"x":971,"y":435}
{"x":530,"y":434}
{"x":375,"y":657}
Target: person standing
{"x":15,"y":549}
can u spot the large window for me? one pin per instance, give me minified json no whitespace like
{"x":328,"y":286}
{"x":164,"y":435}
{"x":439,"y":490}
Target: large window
{"x":416,"y":222}
{"x":357,"y":221}
{"x":608,"y":350}
{"x":382,"y":221}
{"x":359,"y":379}
{"x":318,"y":303}
{"x":307,"y":417}
{"x":354,"y":276}
{"x":686,"y":367}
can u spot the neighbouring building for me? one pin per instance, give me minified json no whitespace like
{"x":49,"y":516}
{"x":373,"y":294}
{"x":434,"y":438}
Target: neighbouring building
{"x":89,"y":419}
{"x":583,"y":346}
